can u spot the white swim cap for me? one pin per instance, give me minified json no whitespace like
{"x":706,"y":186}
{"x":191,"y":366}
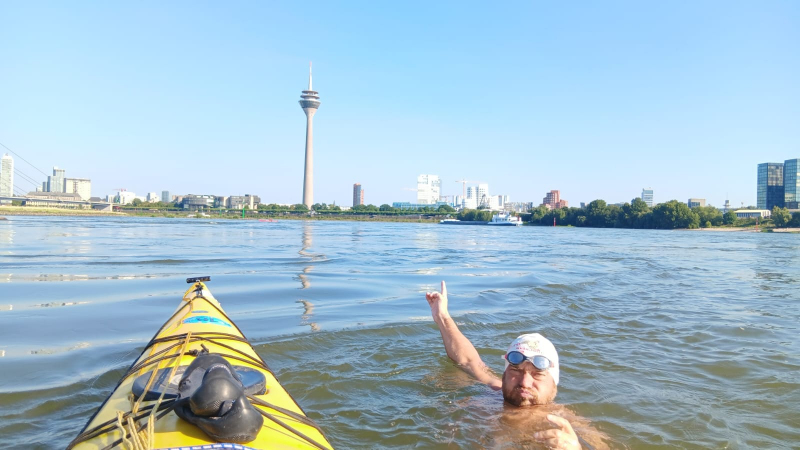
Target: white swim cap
{"x":534,"y":344}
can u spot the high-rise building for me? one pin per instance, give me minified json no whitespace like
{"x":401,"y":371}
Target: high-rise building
{"x":791,"y":183}
{"x":310,"y":103}
{"x":695,"y":202}
{"x":80,"y":186}
{"x":165,"y":197}
{"x":7,"y":176}
{"x":770,"y":193}
{"x":552,"y":200}
{"x":55,"y":183}
{"x":483,"y":194}
{"x":647,"y":196}
{"x":471,"y":192}
{"x":358,"y":195}
{"x":428,"y":189}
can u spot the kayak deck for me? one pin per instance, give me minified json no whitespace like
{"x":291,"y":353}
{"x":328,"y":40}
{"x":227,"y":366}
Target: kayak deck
{"x":199,"y":324}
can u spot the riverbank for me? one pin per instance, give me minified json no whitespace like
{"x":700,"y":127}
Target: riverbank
{"x":786,"y":230}
{"x":729,"y":229}
{"x":45,"y":211}
{"x":753,"y":229}
{"x":232,"y":215}
{"x":253,"y":215}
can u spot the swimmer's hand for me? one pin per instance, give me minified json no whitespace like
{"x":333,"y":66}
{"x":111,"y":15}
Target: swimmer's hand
{"x":438,"y":304}
{"x":561,"y":437}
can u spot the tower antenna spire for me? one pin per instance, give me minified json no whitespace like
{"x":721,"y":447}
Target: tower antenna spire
{"x":309,"y":76}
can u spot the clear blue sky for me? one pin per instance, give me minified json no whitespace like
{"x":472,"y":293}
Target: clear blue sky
{"x":596,"y":99}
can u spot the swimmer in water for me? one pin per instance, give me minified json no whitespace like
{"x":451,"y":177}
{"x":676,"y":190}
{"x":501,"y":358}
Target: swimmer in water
{"x":530,"y":378}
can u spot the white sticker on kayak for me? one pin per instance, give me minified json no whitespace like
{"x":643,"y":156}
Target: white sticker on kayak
{"x":206,"y":319}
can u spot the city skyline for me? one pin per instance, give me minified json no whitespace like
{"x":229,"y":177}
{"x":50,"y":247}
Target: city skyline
{"x":685,"y":98}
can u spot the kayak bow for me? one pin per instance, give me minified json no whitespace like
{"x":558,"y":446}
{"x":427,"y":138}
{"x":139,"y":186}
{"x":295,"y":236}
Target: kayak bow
{"x":140,"y":412}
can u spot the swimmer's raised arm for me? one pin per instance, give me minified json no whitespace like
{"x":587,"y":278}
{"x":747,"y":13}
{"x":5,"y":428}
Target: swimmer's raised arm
{"x":458,"y":347}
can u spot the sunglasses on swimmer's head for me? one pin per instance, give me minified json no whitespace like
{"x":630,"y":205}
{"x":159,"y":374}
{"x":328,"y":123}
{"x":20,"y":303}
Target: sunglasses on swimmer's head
{"x":540,"y":362}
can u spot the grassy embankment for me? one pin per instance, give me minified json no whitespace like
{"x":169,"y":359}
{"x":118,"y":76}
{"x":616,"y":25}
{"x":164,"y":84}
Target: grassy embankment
{"x":45,"y":211}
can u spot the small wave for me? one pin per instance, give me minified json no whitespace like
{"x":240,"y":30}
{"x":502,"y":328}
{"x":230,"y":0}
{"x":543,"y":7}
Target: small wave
{"x":53,"y":351}
{"x":56,"y":304}
{"x":161,"y":262}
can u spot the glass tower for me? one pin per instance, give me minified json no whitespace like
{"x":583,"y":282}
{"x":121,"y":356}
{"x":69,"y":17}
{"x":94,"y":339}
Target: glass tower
{"x":770,"y":186}
{"x":358,"y":195}
{"x":791,"y":183}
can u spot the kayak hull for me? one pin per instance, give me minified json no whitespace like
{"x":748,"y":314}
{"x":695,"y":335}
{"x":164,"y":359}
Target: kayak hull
{"x":198,"y":324}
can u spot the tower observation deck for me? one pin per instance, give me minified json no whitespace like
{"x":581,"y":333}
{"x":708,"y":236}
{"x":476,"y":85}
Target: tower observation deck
{"x":309,"y":101}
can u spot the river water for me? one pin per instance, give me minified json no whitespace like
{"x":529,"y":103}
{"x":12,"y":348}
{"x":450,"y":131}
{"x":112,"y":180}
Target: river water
{"x":667,"y":339}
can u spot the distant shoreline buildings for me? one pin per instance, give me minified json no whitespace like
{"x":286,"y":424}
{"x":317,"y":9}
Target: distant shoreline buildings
{"x":696,"y":202}
{"x":58,"y":183}
{"x":778,"y":185}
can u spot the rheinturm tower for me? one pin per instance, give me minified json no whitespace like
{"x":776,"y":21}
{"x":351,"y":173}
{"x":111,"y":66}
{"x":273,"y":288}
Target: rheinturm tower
{"x":309,"y":102}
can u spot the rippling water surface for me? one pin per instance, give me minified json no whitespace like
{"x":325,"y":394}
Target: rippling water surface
{"x":666,"y":338}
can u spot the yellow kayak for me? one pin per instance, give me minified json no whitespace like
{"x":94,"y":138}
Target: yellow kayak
{"x":220,"y":393}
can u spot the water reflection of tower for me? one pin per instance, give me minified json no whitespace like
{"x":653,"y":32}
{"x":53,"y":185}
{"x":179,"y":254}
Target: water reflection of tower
{"x":308,"y":307}
{"x":307,"y":240}
{"x":310,"y":103}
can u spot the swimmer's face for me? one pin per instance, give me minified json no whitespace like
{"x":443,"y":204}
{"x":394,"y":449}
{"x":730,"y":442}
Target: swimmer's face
{"x":525,"y":385}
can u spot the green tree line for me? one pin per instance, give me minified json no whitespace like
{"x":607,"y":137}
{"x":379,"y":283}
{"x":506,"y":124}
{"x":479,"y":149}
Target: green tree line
{"x":636,"y":214}
{"x":472,"y":215}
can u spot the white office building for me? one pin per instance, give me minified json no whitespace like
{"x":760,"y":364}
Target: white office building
{"x":483,"y":194}
{"x":647,"y":196}
{"x":124,"y":197}
{"x":428,"y":189}
{"x":7,"y":176}
{"x":80,"y":186}
{"x":153,"y":197}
